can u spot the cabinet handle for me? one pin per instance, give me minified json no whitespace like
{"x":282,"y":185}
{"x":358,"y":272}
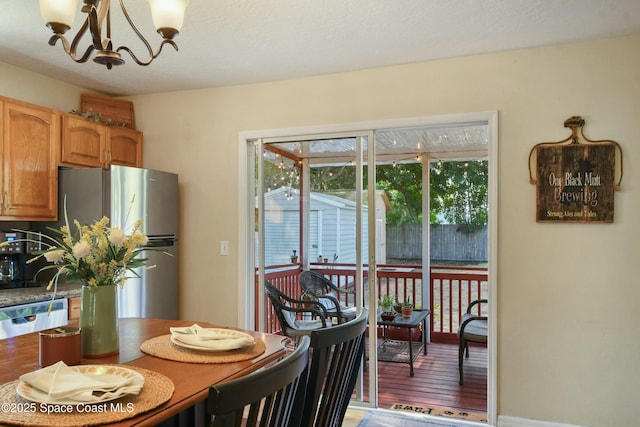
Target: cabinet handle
{"x":6,"y":200}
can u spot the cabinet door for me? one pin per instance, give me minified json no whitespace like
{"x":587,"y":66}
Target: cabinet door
{"x":74,"y":308}
{"x":30,"y":142}
{"x":125,"y":147}
{"x":83,"y":142}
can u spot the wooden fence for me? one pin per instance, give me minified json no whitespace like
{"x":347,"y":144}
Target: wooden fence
{"x":404,"y":241}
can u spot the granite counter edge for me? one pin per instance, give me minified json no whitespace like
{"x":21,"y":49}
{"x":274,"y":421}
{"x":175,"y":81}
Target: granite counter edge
{"x":11,"y":297}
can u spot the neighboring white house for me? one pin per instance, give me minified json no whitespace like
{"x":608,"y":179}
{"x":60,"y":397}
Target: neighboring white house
{"x":332,"y":227}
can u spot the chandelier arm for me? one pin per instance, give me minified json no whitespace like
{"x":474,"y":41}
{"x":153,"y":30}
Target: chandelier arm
{"x":138,"y":33}
{"x":152,"y":56}
{"x":71,"y":51}
{"x":76,"y":39}
{"x":95,"y":28}
{"x":103,"y":8}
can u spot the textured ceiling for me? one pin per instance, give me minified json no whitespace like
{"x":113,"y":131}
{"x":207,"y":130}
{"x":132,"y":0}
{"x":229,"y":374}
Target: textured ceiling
{"x":231,"y":42}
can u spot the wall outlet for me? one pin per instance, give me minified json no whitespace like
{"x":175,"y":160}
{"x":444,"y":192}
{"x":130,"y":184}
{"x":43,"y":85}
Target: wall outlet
{"x":224,"y":247}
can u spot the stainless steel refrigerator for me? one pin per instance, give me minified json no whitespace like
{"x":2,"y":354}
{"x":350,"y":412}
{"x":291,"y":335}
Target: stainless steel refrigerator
{"x":126,"y":194}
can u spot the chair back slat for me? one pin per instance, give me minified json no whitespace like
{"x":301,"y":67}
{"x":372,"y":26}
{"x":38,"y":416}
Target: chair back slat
{"x":269,"y":394}
{"x":336,"y":357}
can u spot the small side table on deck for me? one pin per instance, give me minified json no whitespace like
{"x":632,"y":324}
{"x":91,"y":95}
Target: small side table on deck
{"x":394,"y":350}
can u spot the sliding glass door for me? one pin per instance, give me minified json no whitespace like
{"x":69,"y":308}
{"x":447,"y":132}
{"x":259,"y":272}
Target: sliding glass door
{"x":312,"y":213}
{"x":333,"y":203}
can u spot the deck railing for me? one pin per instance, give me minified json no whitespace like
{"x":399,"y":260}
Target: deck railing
{"x":452,"y":288}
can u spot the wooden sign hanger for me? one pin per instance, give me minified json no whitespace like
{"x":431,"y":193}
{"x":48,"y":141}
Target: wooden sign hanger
{"x":575,"y":178}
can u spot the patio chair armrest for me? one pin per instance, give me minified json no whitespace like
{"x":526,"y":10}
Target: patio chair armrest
{"x":318,"y":311}
{"x":476,"y":302}
{"x":468,"y":319}
{"x":339,"y":308}
{"x":307,"y":306}
{"x":346,"y":290}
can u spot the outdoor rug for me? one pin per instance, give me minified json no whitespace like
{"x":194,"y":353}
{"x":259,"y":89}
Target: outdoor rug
{"x":389,"y":419}
{"x":473,"y":416}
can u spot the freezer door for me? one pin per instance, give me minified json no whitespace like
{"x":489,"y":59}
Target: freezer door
{"x":155,"y":200}
{"x":83,"y":192}
{"x":155,"y":293}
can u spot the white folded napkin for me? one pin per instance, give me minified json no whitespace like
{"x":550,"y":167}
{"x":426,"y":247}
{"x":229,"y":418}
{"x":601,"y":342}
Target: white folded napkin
{"x":212,"y":338}
{"x":60,"y":381}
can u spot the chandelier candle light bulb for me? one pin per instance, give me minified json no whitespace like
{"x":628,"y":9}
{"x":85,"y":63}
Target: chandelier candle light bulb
{"x":168,"y":16}
{"x":59,"y":15}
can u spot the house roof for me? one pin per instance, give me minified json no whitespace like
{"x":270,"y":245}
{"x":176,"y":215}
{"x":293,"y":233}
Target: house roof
{"x":339,"y":199}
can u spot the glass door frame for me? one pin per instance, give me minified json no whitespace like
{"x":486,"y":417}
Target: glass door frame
{"x":246,"y":180}
{"x":361,"y":139}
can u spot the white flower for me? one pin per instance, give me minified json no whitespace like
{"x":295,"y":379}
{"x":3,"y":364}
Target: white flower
{"x":116,"y":236}
{"x":54,"y":256}
{"x":81,"y":249}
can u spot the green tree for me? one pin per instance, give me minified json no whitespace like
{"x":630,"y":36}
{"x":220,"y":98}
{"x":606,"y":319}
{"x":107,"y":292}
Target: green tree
{"x":332,"y":178}
{"x":403,"y":185}
{"x":459,"y":192}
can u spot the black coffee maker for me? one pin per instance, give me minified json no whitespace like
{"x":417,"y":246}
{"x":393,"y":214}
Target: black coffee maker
{"x":13,"y":259}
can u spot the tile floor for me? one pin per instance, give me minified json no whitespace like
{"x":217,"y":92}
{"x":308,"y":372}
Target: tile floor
{"x":353,"y":417}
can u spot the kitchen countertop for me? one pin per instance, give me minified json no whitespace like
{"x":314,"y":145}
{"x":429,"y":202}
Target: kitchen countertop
{"x":9,"y":297}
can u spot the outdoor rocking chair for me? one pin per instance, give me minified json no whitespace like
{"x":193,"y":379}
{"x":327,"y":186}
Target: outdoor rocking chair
{"x":316,"y":287}
{"x":287,"y":308}
{"x":473,"y":328}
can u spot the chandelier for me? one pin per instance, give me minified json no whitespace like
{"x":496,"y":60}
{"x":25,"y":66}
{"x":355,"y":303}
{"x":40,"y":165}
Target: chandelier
{"x":59,"y":15}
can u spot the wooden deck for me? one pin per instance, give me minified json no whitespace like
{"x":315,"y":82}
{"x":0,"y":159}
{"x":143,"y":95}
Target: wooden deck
{"x":435,"y":383}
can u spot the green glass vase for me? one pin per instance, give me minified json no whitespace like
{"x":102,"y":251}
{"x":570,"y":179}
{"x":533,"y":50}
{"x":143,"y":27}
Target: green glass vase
{"x":99,"y":321}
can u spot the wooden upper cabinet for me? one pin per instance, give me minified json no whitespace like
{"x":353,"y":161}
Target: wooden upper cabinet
{"x":30,"y":140}
{"x":125,"y":147}
{"x":83,"y":142}
{"x":89,"y":144}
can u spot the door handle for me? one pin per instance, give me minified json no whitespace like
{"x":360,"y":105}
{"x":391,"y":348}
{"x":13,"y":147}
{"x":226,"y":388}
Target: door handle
{"x":25,"y":319}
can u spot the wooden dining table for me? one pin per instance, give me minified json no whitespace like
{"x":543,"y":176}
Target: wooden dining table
{"x":191,"y":381}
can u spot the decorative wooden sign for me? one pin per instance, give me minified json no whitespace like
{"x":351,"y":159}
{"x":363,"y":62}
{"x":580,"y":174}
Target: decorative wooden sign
{"x":575,"y":178}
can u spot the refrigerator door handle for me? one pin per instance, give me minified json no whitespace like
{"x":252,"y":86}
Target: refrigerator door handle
{"x":160,"y":241}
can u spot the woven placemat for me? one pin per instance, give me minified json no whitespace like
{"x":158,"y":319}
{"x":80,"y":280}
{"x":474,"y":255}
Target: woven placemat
{"x":15,"y":410}
{"x":163,"y":348}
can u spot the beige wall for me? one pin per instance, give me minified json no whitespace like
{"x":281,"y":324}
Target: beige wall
{"x":567,"y":293}
{"x":38,"y":89}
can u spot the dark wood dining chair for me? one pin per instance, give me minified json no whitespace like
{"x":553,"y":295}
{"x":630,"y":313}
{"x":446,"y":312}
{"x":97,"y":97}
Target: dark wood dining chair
{"x":265,"y":398}
{"x":317,"y":287}
{"x":336,"y":356}
{"x":287,"y":310}
{"x":473,"y":328}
